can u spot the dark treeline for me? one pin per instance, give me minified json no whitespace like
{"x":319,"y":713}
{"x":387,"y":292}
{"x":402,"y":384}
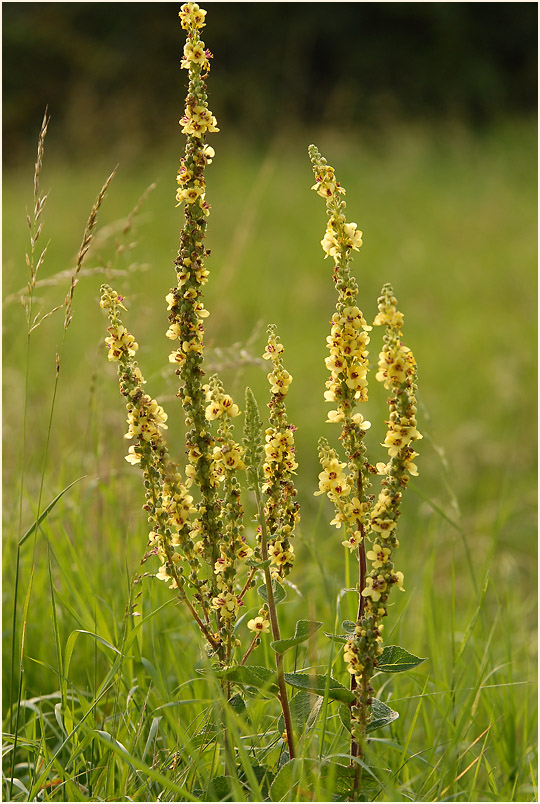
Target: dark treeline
{"x":110,"y":70}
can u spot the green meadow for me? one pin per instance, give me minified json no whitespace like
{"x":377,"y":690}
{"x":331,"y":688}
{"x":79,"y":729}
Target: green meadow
{"x":109,"y":706}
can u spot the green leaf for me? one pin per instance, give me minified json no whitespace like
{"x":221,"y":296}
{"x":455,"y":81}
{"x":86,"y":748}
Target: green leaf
{"x":259,"y":677}
{"x":238,"y":704}
{"x":348,"y":626}
{"x":317,"y":685}
{"x":394,"y":659}
{"x":46,"y":512}
{"x":304,"y":712}
{"x":337,"y":637}
{"x":219,"y":789}
{"x":304,"y":629}
{"x":303,"y":777}
{"x":279,"y":592}
{"x":299,"y":771}
{"x":264,"y":776}
{"x":258,"y":564}
{"x":381,"y":715}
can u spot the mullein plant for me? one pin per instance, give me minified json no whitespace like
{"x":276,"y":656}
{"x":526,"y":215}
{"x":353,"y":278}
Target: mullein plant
{"x":196,"y":516}
{"x":196,"y":520}
{"x":369,"y":522}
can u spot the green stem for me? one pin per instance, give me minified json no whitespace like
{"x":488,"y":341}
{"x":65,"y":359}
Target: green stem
{"x":275,"y":629}
{"x":357,"y":750}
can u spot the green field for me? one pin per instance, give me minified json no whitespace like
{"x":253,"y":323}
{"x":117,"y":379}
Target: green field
{"x":449,"y":217}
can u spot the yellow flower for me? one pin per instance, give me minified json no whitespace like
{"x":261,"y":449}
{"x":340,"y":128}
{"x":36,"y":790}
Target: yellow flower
{"x":213,"y":411}
{"x":354,"y":235}
{"x":354,"y":665}
{"x":133,"y":457}
{"x":279,"y":555}
{"x":332,"y":480}
{"x":399,"y":581}
{"x":374,"y":587}
{"x":227,"y":605}
{"x":280,"y":381}
{"x":245,"y":552}
{"x":272,"y":348}
{"x":354,"y":541}
{"x":379,"y":555}
{"x":260,"y":625}
{"x":191,"y":16}
{"x":221,"y":565}
{"x":229,"y":407}
{"x":383,"y":526}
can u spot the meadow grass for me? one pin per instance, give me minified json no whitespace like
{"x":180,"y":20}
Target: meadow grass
{"x":111,"y":707}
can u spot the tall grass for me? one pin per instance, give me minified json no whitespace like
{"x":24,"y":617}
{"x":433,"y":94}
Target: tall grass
{"x":109,"y":707}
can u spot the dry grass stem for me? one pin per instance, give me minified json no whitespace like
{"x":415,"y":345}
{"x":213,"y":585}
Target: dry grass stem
{"x":83,"y":249}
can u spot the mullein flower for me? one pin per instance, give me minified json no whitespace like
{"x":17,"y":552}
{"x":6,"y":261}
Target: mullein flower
{"x":346,"y":484}
{"x":281,"y":511}
{"x":397,"y":371}
{"x":259,"y":625}
{"x":348,"y":365}
{"x":228,"y":460}
{"x":168,"y":504}
{"x":187,"y":313}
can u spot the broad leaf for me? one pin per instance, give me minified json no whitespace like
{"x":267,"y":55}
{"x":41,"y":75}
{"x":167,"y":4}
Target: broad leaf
{"x":301,"y":778}
{"x":394,"y":659}
{"x":299,"y":771}
{"x":259,"y":677}
{"x":381,"y":715}
{"x":258,"y":564}
{"x":279,"y":592}
{"x":219,"y":789}
{"x":305,"y":709}
{"x":304,"y":629}
{"x":238,"y":704}
{"x":317,"y":685}
{"x":337,"y":637}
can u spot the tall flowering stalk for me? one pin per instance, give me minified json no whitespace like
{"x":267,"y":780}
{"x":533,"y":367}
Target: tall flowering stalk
{"x":185,"y":301}
{"x":270,"y":472}
{"x":281,"y":511}
{"x":168,"y":504}
{"x":200,"y":541}
{"x":197,"y":524}
{"x":346,"y":483}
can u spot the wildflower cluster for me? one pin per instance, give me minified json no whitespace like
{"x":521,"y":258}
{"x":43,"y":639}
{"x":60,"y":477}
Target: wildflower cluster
{"x":185,"y":301}
{"x":345,"y":483}
{"x":197,"y":120}
{"x":282,"y":511}
{"x":197,"y":525}
{"x":397,"y":370}
{"x":228,"y":461}
{"x":335,"y":482}
{"x":168,"y":504}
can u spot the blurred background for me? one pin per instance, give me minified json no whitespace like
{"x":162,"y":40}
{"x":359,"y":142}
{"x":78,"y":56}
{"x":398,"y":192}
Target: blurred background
{"x":108,"y":73}
{"x":428,"y":113}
